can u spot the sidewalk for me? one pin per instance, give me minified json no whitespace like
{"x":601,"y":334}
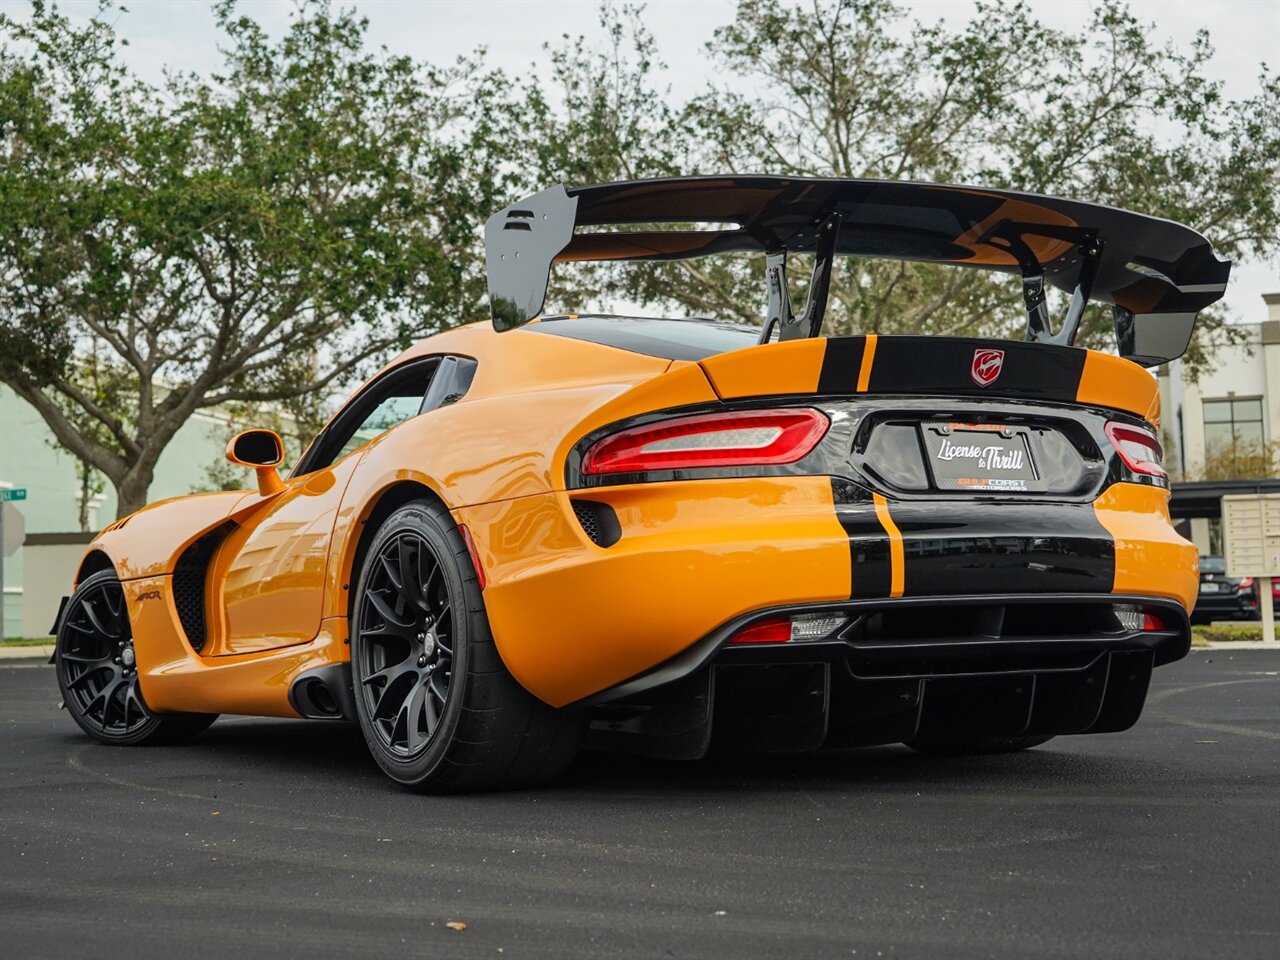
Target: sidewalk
{"x":1240,"y":645}
{"x":26,"y":653}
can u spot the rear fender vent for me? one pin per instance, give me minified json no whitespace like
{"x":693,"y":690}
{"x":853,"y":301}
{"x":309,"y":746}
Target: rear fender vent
{"x":189,"y":575}
{"x":599,"y":522}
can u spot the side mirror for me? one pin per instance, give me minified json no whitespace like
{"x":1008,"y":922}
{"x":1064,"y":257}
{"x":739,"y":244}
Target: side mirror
{"x":262,"y":450}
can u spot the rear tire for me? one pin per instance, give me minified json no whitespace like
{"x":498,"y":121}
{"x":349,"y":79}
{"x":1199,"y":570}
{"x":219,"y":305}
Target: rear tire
{"x":98,"y":672}
{"x":976,"y":747}
{"x":437,"y":706}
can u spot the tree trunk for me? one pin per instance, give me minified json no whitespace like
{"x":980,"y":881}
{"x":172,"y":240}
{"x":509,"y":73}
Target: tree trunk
{"x":86,"y":491}
{"x":131,"y":490}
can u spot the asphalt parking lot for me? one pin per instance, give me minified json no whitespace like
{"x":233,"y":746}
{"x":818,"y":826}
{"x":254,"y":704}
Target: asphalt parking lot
{"x":282,"y":838}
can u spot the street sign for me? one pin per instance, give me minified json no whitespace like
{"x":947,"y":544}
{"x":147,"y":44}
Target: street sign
{"x":13,"y":493}
{"x":13,"y":528}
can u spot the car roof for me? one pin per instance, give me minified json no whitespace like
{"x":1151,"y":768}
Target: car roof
{"x":663,"y":338}
{"x":693,"y":338}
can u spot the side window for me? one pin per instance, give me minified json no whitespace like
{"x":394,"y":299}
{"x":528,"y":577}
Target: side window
{"x":395,"y":397}
{"x":383,"y":417}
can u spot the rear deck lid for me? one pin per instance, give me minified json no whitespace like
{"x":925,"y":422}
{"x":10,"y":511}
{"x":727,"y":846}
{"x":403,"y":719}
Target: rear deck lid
{"x":941,"y":367}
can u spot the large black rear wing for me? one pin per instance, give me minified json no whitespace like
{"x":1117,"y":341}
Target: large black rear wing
{"x":1156,"y":274}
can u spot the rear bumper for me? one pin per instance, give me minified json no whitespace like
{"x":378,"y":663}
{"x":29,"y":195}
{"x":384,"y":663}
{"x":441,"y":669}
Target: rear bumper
{"x":931,"y":638}
{"x":573,"y":619}
{"x":859,"y":690}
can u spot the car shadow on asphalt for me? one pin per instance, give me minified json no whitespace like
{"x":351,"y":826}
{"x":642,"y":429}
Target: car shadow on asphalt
{"x":892,"y":768}
{"x":333,"y":749}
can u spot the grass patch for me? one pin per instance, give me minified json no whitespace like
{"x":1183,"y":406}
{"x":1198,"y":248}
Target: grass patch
{"x":26,"y":642}
{"x":1202,"y":634}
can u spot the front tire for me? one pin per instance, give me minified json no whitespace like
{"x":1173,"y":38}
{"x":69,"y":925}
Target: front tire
{"x":98,"y":671}
{"x":438,"y":709}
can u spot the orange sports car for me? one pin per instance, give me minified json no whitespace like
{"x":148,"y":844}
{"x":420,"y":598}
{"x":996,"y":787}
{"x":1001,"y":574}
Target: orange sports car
{"x":667,"y":534}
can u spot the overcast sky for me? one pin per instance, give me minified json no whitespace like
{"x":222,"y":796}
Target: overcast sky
{"x":180,"y":33}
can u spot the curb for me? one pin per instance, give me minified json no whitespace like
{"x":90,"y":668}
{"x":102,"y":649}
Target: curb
{"x":1239,"y":645}
{"x":26,"y":653}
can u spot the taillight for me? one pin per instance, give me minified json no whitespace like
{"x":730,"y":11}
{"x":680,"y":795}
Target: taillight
{"x":745,"y":438}
{"x":1138,"y":448}
{"x":1246,"y":583}
{"x":802,"y":626}
{"x":766,"y":631}
{"x":1137,"y":619}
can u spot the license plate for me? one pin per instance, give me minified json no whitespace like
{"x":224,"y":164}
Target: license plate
{"x":1209,"y":588}
{"x":981,"y":457}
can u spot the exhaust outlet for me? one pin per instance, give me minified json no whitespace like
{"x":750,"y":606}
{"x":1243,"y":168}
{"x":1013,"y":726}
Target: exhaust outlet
{"x":324,"y":693}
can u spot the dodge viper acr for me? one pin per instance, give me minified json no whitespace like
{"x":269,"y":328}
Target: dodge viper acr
{"x":659,"y":535}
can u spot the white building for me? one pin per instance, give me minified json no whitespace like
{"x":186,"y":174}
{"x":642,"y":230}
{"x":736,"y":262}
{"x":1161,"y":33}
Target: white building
{"x":1236,"y":403}
{"x":31,"y":458}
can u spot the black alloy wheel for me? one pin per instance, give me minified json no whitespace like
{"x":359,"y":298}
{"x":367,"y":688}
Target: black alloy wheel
{"x":438,"y":709}
{"x":406,"y":657}
{"x":98,"y":671}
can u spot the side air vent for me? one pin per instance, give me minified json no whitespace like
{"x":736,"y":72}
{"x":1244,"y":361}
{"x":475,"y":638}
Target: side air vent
{"x":599,"y":522}
{"x":188,"y":586}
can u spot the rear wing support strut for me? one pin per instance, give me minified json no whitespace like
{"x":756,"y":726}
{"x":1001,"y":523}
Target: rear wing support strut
{"x":809,"y":323}
{"x":1010,"y":236}
{"x":778,"y":311}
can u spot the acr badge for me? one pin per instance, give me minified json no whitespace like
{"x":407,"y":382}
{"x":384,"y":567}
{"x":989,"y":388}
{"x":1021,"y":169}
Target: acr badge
{"x":986,"y":366}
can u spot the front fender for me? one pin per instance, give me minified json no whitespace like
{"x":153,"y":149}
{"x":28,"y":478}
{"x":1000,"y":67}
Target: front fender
{"x":147,"y":543}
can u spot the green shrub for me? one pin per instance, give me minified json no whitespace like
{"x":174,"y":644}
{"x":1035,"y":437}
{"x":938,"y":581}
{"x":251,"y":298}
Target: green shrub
{"x":1227,"y":633}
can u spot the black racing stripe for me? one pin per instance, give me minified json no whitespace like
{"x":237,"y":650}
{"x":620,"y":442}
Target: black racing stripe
{"x":868,"y":550}
{"x":963,"y":547}
{"x":943,"y":366}
{"x":841,"y":364}
{"x":871,"y":568}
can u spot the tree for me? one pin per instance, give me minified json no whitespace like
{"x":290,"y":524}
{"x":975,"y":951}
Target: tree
{"x":849,"y":89}
{"x":257,"y":236}
{"x":107,"y":385}
{"x":1241,"y":460}
{"x":263,"y":235}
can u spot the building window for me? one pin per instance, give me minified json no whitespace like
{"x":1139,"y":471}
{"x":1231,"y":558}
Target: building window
{"x":1232,"y":425}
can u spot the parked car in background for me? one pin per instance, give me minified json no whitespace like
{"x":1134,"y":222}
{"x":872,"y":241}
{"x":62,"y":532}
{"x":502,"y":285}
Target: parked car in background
{"x":1223,"y":597}
{"x":1275,"y":597}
